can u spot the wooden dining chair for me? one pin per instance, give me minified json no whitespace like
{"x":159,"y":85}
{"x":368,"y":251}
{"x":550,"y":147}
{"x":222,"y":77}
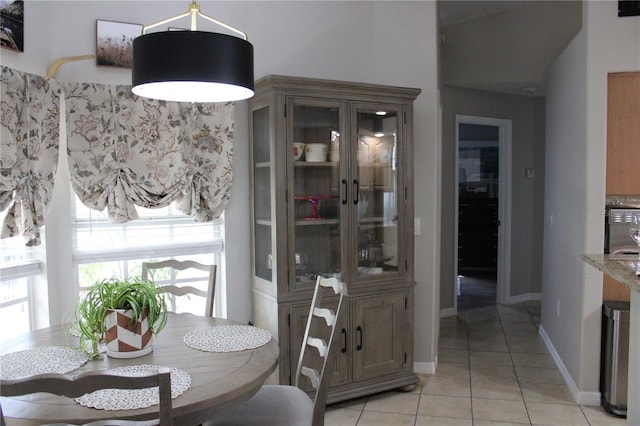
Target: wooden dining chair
{"x":175,"y":290}
{"x":78,"y":385}
{"x":283,"y":405}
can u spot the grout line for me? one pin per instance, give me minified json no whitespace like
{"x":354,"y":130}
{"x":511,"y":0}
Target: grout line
{"x":513,"y":364}
{"x":466,"y":329}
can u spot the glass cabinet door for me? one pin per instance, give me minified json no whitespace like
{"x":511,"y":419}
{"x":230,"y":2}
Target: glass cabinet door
{"x":377,"y":198}
{"x":263,"y":258}
{"x":314,"y":136}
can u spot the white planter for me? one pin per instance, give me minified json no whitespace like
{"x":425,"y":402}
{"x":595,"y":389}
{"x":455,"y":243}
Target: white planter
{"x":125,"y":340}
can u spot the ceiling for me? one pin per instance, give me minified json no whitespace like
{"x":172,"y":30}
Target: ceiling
{"x":504,"y":46}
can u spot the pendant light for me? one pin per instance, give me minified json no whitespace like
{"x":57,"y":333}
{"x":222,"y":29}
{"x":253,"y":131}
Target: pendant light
{"x":192,"y":66}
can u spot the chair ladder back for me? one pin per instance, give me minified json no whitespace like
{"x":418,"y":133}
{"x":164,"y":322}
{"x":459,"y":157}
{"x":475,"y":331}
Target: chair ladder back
{"x":326,"y":349}
{"x":174,"y":290}
{"x":76,"y":386}
{"x":319,"y":344}
{"x":328,"y":315}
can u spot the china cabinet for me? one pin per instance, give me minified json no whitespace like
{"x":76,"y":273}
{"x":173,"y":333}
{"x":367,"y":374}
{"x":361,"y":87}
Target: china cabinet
{"x":332,"y":194}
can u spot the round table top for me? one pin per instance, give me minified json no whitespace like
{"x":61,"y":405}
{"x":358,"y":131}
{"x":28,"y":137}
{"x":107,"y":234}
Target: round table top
{"x":219,"y":380}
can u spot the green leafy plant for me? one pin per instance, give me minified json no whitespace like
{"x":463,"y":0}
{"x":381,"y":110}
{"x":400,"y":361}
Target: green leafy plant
{"x":110,"y":294}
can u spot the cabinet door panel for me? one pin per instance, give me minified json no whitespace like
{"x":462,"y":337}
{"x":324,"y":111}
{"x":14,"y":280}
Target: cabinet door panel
{"x":378,"y":190}
{"x":623,"y":134}
{"x":378,"y":335}
{"x":342,"y":368}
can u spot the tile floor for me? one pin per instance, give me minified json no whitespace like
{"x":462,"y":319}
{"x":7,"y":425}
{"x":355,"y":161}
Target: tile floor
{"x":493,"y":370}
{"x":476,"y":289}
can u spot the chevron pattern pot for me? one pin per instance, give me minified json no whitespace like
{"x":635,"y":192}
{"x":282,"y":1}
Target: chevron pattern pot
{"x":125,"y":340}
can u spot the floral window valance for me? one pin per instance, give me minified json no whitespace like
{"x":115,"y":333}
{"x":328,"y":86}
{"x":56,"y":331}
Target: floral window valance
{"x":125,"y":151}
{"x":29,"y":145}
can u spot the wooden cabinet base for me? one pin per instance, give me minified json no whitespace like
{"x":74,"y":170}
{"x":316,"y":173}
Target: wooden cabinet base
{"x":612,"y":290}
{"x":405,"y":383}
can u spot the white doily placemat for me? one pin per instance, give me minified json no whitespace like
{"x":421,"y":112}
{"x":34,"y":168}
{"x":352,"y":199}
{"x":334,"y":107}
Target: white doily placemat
{"x":40,"y":360}
{"x":227,"y":338}
{"x":131,"y":399}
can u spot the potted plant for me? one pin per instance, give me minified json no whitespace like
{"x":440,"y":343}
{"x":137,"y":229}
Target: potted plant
{"x":124,"y":312}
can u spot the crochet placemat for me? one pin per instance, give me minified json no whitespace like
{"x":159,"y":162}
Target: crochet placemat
{"x":227,"y":338}
{"x":40,"y":360}
{"x":131,"y":399}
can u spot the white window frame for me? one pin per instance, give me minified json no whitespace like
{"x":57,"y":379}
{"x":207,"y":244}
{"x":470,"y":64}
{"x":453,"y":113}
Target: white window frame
{"x":137,"y":253}
{"x":25,"y":265}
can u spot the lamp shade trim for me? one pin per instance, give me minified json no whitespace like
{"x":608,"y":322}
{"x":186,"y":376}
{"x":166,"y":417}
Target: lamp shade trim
{"x":214,"y":67}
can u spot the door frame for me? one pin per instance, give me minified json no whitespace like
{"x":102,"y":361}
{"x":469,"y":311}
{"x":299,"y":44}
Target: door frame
{"x":503,"y":289}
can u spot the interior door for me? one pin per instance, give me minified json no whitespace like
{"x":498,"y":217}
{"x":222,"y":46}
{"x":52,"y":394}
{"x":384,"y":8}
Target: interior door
{"x":486,"y":194}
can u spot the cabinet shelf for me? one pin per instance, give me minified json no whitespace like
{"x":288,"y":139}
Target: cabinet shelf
{"x":330,"y":164}
{"x":316,"y":222}
{"x":316,"y":164}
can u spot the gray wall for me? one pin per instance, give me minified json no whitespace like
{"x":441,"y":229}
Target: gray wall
{"x":575,"y":189}
{"x":527,"y":196}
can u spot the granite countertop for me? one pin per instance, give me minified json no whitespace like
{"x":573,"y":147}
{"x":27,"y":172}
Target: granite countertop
{"x":622,"y":270}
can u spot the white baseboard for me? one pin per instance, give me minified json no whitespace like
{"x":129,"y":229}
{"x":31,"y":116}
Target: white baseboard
{"x":447,"y":312}
{"x":580,"y":397}
{"x":425,"y":367}
{"x":527,"y":297}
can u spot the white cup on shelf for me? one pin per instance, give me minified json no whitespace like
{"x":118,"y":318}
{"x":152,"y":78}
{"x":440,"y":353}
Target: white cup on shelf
{"x":315,"y":152}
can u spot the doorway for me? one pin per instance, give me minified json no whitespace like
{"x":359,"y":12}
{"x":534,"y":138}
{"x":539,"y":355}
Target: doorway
{"x":483,"y":181}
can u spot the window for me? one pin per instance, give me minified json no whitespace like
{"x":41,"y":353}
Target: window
{"x":103,"y":250}
{"x":19,"y":268}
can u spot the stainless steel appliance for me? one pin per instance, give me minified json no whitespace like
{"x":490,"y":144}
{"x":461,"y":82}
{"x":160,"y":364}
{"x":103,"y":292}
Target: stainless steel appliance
{"x":614,"y":357}
{"x":617,"y":241}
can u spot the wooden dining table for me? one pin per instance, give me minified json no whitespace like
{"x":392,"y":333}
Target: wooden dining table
{"x":219,"y":380}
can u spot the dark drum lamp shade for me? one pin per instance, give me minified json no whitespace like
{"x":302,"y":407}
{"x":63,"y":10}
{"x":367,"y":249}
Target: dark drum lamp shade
{"x":192,"y":66}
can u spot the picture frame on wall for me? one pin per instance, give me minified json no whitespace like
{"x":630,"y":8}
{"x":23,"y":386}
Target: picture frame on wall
{"x":12,"y":25}
{"x":114,"y":41}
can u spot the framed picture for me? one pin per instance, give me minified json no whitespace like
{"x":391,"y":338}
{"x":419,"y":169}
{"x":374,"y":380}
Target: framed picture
{"x":12,"y":24}
{"x":114,"y":41}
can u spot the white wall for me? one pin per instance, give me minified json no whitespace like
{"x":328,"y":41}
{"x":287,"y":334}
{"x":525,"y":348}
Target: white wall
{"x":390,"y":42}
{"x":575,"y":187}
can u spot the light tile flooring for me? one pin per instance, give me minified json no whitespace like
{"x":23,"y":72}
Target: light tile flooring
{"x":493,"y":370}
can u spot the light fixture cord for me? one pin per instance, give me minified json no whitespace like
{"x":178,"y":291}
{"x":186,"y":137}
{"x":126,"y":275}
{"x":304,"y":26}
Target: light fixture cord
{"x":194,"y":11}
